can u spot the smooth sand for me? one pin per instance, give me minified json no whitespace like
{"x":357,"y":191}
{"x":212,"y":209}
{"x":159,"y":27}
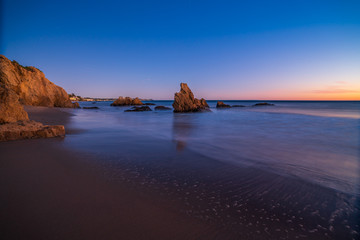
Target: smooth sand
{"x":47,"y":193}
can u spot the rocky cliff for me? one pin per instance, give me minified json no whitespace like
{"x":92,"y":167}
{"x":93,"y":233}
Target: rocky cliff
{"x":184,"y":101}
{"x":27,"y":86}
{"x":31,"y":86}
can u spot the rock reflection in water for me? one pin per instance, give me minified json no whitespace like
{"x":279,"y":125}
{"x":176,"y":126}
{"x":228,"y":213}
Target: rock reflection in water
{"x":183,"y":129}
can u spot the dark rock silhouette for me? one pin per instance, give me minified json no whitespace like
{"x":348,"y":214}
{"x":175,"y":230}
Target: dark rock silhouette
{"x":237,"y":106}
{"x":139,"y":109}
{"x":162,"y":108}
{"x":90,"y":107}
{"x":263,"y":104}
{"x":220,"y":104}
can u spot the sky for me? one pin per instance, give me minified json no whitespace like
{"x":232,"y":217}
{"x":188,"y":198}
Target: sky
{"x":246,"y":50}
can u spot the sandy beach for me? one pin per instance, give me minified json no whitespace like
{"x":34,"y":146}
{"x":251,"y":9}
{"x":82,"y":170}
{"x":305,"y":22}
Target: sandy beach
{"x":69,"y":188}
{"x":48,"y":193}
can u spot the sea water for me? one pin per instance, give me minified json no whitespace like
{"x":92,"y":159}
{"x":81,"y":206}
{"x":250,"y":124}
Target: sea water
{"x":317,"y":141}
{"x":269,"y":172}
{"x":314,"y":140}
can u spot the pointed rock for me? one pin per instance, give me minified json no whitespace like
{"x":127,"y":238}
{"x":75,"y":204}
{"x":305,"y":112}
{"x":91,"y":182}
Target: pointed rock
{"x":184,"y":101}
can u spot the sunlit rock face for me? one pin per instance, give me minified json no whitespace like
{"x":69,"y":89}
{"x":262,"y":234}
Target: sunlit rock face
{"x":31,"y":86}
{"x":126,"y":101}
{"x":10,"y":108}
{"x":184,"y":101}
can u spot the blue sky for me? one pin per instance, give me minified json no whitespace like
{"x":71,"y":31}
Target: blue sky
{"x":222,"y":49}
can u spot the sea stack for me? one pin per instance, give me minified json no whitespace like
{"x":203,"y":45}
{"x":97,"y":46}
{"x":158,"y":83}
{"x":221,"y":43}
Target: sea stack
{"x":31,"y":86}
{"x":184,"y":101}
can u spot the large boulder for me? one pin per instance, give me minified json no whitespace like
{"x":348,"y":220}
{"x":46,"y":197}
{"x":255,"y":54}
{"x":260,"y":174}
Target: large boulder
{"x":29,"y":129}
{"x":184,"y":101}
{"x":127,"y":101}
{"x":30,"y":84}
{"x":10,"y":108}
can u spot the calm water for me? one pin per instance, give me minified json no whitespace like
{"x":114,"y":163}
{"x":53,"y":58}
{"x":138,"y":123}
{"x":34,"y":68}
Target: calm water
{"x":316,"y":141}
{"x":280,"y":172}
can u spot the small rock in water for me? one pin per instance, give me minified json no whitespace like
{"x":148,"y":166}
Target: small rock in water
{"x":263,"y":104}
{"x":220,"y":104}
{"x":162,"y":108}
{"x":139,"y":109}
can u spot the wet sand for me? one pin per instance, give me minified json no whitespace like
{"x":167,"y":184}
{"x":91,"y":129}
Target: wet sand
{"x":48,"y":192}
{"x":52,"y":192}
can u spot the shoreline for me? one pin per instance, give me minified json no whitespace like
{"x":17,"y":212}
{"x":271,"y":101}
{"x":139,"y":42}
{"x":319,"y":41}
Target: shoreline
{"x":49,"y":193}
{"x":55,"y":190}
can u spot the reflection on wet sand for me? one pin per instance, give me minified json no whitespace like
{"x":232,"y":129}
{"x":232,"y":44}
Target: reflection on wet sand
{"x":183,"y":127}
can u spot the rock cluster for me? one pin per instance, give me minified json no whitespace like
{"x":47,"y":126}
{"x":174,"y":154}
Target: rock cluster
{"x":31,"y":86}
{"x":29,"y":129}
{"x":127,"y":101}
{"x":184,"y":101}
{"x":220,"y":104}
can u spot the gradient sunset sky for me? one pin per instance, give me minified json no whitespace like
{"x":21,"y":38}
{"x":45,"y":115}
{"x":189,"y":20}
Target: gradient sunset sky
{"x":274,"y":50}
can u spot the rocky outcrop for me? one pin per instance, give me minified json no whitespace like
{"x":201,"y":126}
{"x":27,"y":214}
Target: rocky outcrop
{"x":149,"y":104}
{"x":263,"y":104}
{"x":139,"y":109}
{"x":184,"y":101}
{"x":162,"y":108}
{"x":220,"y":104}
{"x":127,"y":101}
{"x":90,"y":107}
{"x":31,"y":86}
{"x":10,"y":108}
{"x":237,"y":106}
{"x":29,"y":129}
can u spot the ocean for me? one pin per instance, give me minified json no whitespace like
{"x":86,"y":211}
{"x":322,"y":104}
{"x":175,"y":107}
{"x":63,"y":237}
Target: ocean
{"x":298,"y":160}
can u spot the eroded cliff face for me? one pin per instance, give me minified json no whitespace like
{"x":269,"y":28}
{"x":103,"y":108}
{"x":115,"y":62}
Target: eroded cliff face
{"x":184,"y":101}
{"x":10,"y":108}
{"x":31,"y":86}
